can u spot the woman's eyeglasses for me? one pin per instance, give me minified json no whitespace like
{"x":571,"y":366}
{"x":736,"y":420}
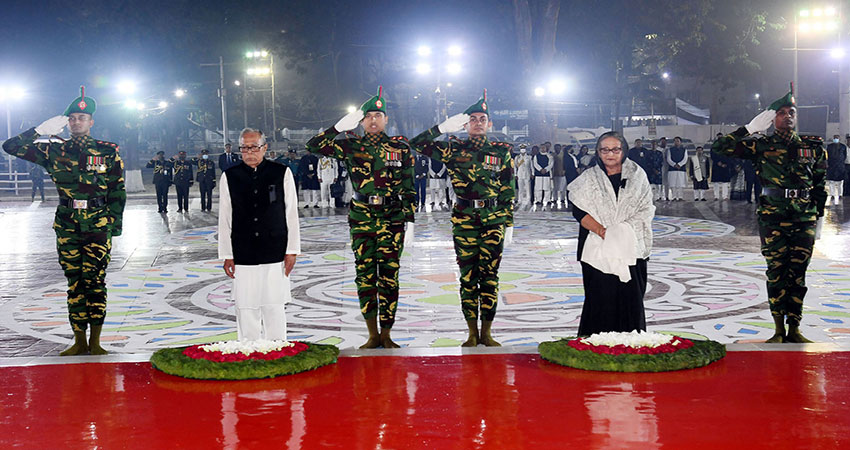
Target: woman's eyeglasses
{"x":606,"y":151}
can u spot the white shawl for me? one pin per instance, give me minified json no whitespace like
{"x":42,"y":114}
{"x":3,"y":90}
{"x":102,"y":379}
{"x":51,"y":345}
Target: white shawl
{"x":627,"y":218}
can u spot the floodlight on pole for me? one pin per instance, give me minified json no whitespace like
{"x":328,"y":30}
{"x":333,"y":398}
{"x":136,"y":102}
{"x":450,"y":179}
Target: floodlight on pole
{"x":237,"y":82}
{"x":557,"y":86}
{"x":127,"y":87}
{"x":757,"y":96}
{"x":351,"y":109}
{"x":163,"y":104}
{"x":665,"y":75}
{"x":837,"y":53}
{"x":454,"y":50}
{"x":179,"y":93}
{"x":12,"y":93}
{"x":539,"y":92}
{"x":423,"y":50}
{"x":423,"y":68}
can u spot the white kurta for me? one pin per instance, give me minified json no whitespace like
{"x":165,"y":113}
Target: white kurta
{"x":260,"y":291}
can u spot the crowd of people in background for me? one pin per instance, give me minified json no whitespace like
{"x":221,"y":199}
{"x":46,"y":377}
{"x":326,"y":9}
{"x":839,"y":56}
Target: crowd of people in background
{"x":542,"y":172}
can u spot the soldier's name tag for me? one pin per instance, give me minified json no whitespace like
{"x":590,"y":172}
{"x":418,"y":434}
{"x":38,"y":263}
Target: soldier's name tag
{"x":492,"y":162}
{"x":394,"y":159}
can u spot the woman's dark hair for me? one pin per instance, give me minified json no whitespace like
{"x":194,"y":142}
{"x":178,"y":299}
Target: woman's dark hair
{"x":623,"y":144}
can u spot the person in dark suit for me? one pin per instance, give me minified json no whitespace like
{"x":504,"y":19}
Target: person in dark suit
{"x":228,"y":159}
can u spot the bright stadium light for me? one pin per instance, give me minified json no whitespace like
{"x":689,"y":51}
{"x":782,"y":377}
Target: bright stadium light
{"x":179,"y":93}
{"x":423,"y":68}
{"x":454,"y":50}
{"x":804,"y":13}
{"x":163,"y":104}
{"x":351,"y":108}
{"x":423,"y":50}
{"x":237,"y":82}
{"x":453,"y":68}
{"x":539,"y":92}
{"x":127,"y":87}
{"x":665,"y":75}
{"x":140,"y":106}
{"x":12,"y":93}
{"x":757,"y":96}
{"x":837,"y":53}
{"x":557,"y":86}
{"x":130,"y":104}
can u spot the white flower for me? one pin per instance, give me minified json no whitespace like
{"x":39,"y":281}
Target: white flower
{"x":246,"y":347}
{"x":633,"y":339}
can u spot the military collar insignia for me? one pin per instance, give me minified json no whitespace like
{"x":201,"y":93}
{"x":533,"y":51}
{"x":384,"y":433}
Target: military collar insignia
{"x":374,"y":139}
{"x":478,"y":141}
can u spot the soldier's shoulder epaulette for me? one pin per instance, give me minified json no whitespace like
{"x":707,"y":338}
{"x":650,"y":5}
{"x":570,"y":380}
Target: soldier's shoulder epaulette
{"x":811,"y":139}
{"x":400,"y":138}
{"x":399,"y":142}
{"x":504,"y":145}
{"x":107,"y":145}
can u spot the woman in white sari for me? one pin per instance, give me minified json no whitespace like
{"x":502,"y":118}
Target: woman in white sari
{"x":612,"y":201}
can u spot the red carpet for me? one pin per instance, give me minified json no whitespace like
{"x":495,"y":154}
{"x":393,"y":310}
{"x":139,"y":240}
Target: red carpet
{"x":747,"y":400}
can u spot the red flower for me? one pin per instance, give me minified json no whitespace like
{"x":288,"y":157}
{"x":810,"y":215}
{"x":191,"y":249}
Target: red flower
{"x":620,"y":349}
{"x":195,"y":352}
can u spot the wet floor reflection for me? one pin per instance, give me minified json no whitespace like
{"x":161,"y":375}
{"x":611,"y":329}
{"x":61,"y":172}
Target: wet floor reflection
{"x":749,"y":399}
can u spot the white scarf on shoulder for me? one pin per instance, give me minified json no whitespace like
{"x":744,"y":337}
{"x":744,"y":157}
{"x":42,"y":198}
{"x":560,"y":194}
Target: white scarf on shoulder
{"x":627,"y":218}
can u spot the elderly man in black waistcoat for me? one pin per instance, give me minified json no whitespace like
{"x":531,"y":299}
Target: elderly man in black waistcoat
{"x":258,"y":238}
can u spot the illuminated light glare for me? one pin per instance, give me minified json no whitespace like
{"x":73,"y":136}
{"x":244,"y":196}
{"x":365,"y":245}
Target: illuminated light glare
{"x":817,"y":12}
{"x":453,"y":68}
{"x":557,"y":86}
{"x":805,"y":27}
{"x":423,"y":68}
{"x":448,"y":85}
{"x":454,"y":50}
{"x":130,"y":104}
{"x":249,"y":54}
{"x":264,"y":53}
{"x":829,"y":11}
{"x":351,"y":108}
{"x":179,"y":93}
{"x":539,"y":92}
{"x":140,"y":106}
{"x":237,"y":82}
{"x":163,"y":104}
{"x":832,"y":26}
{"x":665,"y":75}
{"x":13,"y":93}
{"x":126,"y":87}
{"x":837,"y":53}
{"x":804,"y":13}
{"x":757,"y":96}
{"x":423,"y":50}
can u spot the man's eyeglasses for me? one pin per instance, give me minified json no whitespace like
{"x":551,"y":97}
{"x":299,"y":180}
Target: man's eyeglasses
{"x":606,"y":151}
{"x":251,"y":149}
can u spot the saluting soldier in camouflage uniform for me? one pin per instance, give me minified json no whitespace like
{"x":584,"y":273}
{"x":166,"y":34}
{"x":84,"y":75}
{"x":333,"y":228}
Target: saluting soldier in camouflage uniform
{"x":89,"y":176}
{"x":381,"y":170}
{"x":792,"y":169}
{"x":482,"y":218}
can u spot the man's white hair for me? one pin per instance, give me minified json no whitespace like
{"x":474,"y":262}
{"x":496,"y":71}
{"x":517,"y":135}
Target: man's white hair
{"x":260,"y":142}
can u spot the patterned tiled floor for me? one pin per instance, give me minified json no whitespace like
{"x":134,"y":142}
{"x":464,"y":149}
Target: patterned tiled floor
{"x":166,"y":287}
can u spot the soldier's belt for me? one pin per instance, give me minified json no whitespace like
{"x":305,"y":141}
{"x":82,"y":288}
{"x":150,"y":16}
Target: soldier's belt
{"x":376,"y":200}
{"x":478,"y":203}
{"x":90,"y":203}
{"x":785,"y":193}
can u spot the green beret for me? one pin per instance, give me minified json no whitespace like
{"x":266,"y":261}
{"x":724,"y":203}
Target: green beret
{"x":786,"y":100}
{"x":480,"y":106}
{"x":81,"y":104}
{"x":375,"y":103}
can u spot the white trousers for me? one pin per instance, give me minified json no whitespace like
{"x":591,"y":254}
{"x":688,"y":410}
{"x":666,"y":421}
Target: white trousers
{"x":542,"y":189}
{"x":437,"y":190}
{"x":721,"y":190}
{"x":699,"y":194}
{"x":524,"y":190}
{"x":657,"y":191}
{"x":676,"y":179}
{"x":349,"y":191}
{"x":325,"y":189}
{"x":311,"y":197}
{"x":260,"y":293}
{"x":833,"y":189}
{"x":559,"y":189}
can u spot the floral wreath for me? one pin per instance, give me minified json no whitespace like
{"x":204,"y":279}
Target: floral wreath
{"x":237,"y":360}
{"x":631,"y":352}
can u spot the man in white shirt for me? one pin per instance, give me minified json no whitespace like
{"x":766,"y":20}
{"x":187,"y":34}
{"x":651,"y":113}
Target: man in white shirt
{"x":328,"y":171}
{"x":258,"y":238}
{"x":523,"y":176}
{"x":542,"y":164}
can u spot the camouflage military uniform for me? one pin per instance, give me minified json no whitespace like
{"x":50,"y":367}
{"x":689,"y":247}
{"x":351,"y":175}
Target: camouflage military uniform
{"x":380,"y":166}
{"x":83,"y":169}
{"x":786,"y":225}
{"x":479,"y":170}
